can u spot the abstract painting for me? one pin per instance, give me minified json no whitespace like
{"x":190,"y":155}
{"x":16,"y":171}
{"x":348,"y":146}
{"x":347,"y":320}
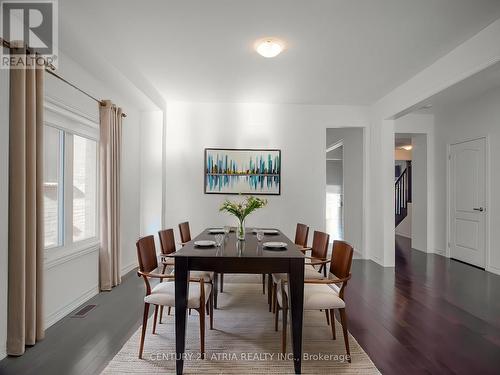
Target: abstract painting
{"x":242,"y":171}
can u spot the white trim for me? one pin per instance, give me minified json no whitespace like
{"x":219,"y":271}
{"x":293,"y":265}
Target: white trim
{"x":60,"y":116}
{"x":440,"y":252}
{"x":59,"y":105}
{"x":68,"y":308}
{"x":337,"y":144}
{"x":60,"y":255}
{"x":126,"y":269}
{"x":493,"y":269}
{"x":487,"y":252}
{"x":3,"y":352}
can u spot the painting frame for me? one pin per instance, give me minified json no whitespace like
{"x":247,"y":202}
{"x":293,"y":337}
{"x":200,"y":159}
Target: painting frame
{"x":206,"y":174}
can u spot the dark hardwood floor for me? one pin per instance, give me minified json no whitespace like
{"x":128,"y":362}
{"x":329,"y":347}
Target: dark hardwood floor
{"x":429,"y":315}
{"x":85,"y":345}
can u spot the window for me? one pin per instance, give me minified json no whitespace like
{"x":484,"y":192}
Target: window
{"x":84,"y":188}
{"x":52,"y":186}
{"x":70,"y":181}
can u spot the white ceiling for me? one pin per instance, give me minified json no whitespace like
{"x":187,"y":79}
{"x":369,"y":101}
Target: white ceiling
{"x":470,"y":88}
{"x":339,"y":52}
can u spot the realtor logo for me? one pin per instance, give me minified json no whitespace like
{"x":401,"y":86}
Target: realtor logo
{"x":32,"y":22}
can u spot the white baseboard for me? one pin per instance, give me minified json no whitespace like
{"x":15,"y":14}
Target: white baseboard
{"x":128,"y":268}
{"x":440,"y":252}
{"x":65,"y":310}
{"x":406,"y":235}
{"x":493,"y":269}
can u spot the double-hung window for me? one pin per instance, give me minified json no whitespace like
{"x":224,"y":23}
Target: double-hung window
{"x":70,"y":181}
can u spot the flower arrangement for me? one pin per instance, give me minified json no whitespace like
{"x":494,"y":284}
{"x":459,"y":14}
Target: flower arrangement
{"x":241,"y":210}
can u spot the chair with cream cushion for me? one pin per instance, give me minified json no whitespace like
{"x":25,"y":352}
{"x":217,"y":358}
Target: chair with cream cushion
{"x":324,"y":294}
{"x":318,"y":250}
{"x":167,"y":242}
{"x":163,"y":294}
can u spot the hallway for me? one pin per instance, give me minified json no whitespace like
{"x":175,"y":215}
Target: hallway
{"x":418,"y":318}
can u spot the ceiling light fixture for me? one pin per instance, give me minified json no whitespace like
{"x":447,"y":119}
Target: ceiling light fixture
{"x":407,"y":148}
{"x":269,"y":47}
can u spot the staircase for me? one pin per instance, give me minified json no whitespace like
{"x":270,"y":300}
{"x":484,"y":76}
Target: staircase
{"x":402,"y":191}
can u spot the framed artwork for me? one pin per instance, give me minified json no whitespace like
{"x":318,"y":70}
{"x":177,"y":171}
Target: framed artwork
{"x":242,"y":171}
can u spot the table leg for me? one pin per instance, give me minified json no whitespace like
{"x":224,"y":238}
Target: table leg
{"x":269,"y":290}
{"x":296,"y":293}
{"x":181,"y":299}
{"x":216,"y":288}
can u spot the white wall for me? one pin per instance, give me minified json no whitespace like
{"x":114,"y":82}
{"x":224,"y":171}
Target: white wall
{"x":472,"y":56}
{"x":4,"y":204}
{"x":151,"y":169}
{"x":83,"y":270}
{"x":420,"y":186}
{"x":72,"y":280}
{"x":476,"y":118}
{"x":299,"y":131}
{"x":334,"y":174}
{"x":352,"y":139}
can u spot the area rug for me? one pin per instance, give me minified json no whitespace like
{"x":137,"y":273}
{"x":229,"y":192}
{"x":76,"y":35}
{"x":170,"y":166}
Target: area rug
{"x":243,"y":341}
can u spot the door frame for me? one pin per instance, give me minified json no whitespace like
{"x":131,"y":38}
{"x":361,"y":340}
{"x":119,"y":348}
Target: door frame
{"x":487,"y":169}
{"x":334,"y":146}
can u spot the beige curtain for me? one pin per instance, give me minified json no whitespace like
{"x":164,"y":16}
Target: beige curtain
{"x":25,"y":301}
{"x":109,"y":191}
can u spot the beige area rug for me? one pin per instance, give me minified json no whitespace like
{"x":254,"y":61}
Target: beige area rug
{"x":243,"y":341}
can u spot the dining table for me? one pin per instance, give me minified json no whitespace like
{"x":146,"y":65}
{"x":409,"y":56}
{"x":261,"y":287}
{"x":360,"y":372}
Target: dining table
{"x":248,"y":256}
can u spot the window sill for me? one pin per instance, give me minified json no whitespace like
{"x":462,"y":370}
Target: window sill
{"x":63,"y":254}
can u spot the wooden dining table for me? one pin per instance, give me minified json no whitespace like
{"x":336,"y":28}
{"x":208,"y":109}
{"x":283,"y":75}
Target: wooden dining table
{"x":236,"y":256}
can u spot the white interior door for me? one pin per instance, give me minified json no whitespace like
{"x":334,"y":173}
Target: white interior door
{"x":468,"y":202}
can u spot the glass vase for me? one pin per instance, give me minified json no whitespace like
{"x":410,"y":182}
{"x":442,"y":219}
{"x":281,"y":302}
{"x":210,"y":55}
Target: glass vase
{"x":240,"y":230}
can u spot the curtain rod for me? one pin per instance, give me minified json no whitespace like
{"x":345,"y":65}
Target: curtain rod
{"x":49,"y":68}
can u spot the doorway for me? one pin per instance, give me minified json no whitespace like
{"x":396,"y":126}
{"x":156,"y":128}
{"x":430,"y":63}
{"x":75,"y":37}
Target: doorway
{"x":335,"y":191}
{"x":344,"y":186}
{"x":468,"y":202}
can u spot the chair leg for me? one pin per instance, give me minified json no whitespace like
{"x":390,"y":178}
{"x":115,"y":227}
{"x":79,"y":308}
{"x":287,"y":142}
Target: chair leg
{"x":189,"y":311}
{"x":222,"y":283}
{"x":169,"y":310}
{"x":324,"y":270}
{"x":207,"y":307}
{"x":285,"y":323}
{"x":332,"y":320}
{"x":155,"y":318}
{"x":343,"y":320}
{"x":144,"y":326}
{"x":327,"y":317}
{"x":275,"y":297}
{"x":161,"y":313}
{"x":276,"y":318}
{"x":264,"y":283}
{"x":270,"y":291}
{"x":211,"y":305}
{"x":202,"y":331}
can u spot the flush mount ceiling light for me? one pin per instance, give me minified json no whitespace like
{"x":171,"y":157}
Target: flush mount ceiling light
{"x":407,"y":148}
{"x":269,"y":47}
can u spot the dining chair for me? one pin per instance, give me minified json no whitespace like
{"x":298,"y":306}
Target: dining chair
{"x":163,"y":293}
{"x":318,"y":250}
{"x":185,"y":232}
{"x":167,"y":242}
{"x":301,"y":234}
{"x":324,"y":294}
